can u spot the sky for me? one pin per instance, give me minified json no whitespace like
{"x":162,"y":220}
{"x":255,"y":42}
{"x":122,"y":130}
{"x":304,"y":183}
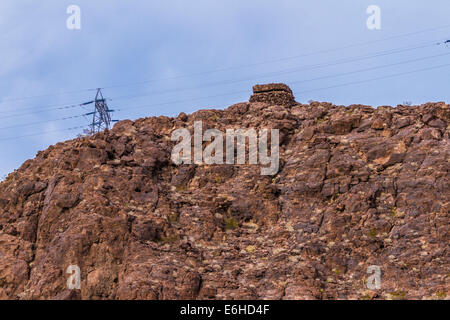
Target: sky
{"x":163,"y":57}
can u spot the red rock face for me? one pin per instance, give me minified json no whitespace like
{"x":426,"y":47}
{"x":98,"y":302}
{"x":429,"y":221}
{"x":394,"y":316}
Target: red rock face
{"x":357,"y":187}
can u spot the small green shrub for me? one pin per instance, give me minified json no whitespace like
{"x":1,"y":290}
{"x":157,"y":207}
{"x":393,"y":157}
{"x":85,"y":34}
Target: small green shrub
{"x":398,"y":295}
{"x":181,"y":188}
{"x":230,"y":223}
{"x":373,"y":233}
{"x":172,"y":218}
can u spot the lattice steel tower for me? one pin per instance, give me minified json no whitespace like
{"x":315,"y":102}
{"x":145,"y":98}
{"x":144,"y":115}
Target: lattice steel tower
{"x":101,"y":116}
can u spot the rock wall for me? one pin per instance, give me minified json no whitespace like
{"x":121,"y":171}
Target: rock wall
{"x":357,"y":186}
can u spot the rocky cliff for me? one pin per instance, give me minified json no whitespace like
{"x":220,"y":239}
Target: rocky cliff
{"x":357,"y":186}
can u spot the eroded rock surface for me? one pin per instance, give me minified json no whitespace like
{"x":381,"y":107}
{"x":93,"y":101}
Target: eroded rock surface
{"x":357,"y":186}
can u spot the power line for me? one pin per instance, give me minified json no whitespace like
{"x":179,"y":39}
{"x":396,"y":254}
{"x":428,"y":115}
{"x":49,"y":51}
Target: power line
{"x":239,"y":92}
{"x":275,"y":73}
{"x":42,"y":133}
{"x":61,"y":107}
{"x":235,"y":67}
{"x":317,"y":89}
{"x":43,"y":121}
{"x":280,"y":59}
{"x":345,"y":60}
{"x":295,"y":82}
{"x":166,"y":103}
{"x":370,"y":69}
{"x":46,"y":95}
{"x":286,"y":71}
{"x":53,"y":107}
{"x":375,"y":79}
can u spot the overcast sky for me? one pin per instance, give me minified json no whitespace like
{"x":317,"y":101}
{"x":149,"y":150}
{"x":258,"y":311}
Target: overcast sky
{"x":171,"y":46}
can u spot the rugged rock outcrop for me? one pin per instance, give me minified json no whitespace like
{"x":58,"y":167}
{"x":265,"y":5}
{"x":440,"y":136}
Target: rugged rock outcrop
{"x":357,"y":186}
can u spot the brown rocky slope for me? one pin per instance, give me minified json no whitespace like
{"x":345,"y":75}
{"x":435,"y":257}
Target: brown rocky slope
{"x":357,"y":186}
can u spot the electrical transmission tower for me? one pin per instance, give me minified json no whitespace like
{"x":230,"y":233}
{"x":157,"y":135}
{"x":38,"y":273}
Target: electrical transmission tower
{"x":101,"y":116}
